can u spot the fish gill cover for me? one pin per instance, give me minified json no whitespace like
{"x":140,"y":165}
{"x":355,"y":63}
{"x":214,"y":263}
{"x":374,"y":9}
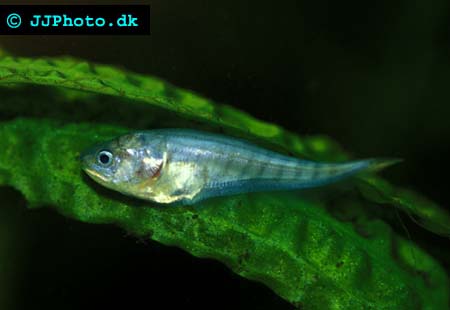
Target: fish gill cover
{"x":305,"y":249}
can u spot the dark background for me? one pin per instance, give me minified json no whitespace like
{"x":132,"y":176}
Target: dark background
{"x":373,"y":75}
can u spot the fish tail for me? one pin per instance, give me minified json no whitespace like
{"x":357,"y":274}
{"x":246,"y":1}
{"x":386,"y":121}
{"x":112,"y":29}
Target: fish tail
{"x":366,"y":165}
{"x":377,"y":164}
{"x":326,"y":173}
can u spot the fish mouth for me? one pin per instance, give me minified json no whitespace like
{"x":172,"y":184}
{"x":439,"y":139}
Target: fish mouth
{"x":94,"y":174}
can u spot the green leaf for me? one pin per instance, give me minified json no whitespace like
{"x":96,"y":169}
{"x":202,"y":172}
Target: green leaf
{"x":101,"y":79}
{"x":285,"y":240}
{"x":290,"y":244}
{"x":427,"y":214}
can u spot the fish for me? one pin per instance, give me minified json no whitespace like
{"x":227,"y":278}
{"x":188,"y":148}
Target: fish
{"x":171,"y":166}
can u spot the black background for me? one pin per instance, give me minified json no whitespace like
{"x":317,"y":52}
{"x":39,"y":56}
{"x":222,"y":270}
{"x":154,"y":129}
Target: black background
{"x":372,"y":75}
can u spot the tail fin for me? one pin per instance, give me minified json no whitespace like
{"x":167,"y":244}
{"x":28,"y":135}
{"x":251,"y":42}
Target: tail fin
{"x":378,"y":164}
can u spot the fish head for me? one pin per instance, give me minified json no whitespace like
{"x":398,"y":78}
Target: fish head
{"x":123,"y":163}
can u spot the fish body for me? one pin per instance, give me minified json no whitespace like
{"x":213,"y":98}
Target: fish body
{"x":179,"y":165}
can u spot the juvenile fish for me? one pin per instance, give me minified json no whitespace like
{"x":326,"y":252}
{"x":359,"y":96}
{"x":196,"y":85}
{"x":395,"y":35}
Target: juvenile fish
{"x":187,"y":166}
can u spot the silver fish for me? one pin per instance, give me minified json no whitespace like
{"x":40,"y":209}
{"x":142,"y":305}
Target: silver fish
{"x":179,"y":165}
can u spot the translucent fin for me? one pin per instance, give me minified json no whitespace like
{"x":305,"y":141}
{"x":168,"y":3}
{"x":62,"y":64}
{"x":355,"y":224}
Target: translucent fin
{"x":378,"y":164}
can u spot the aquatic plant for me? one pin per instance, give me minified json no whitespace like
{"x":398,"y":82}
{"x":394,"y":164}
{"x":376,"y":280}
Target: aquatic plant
{"x":301,"y":246}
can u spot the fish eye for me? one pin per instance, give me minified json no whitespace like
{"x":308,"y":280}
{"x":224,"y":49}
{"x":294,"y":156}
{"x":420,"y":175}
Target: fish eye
{"x":104,"y":158}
